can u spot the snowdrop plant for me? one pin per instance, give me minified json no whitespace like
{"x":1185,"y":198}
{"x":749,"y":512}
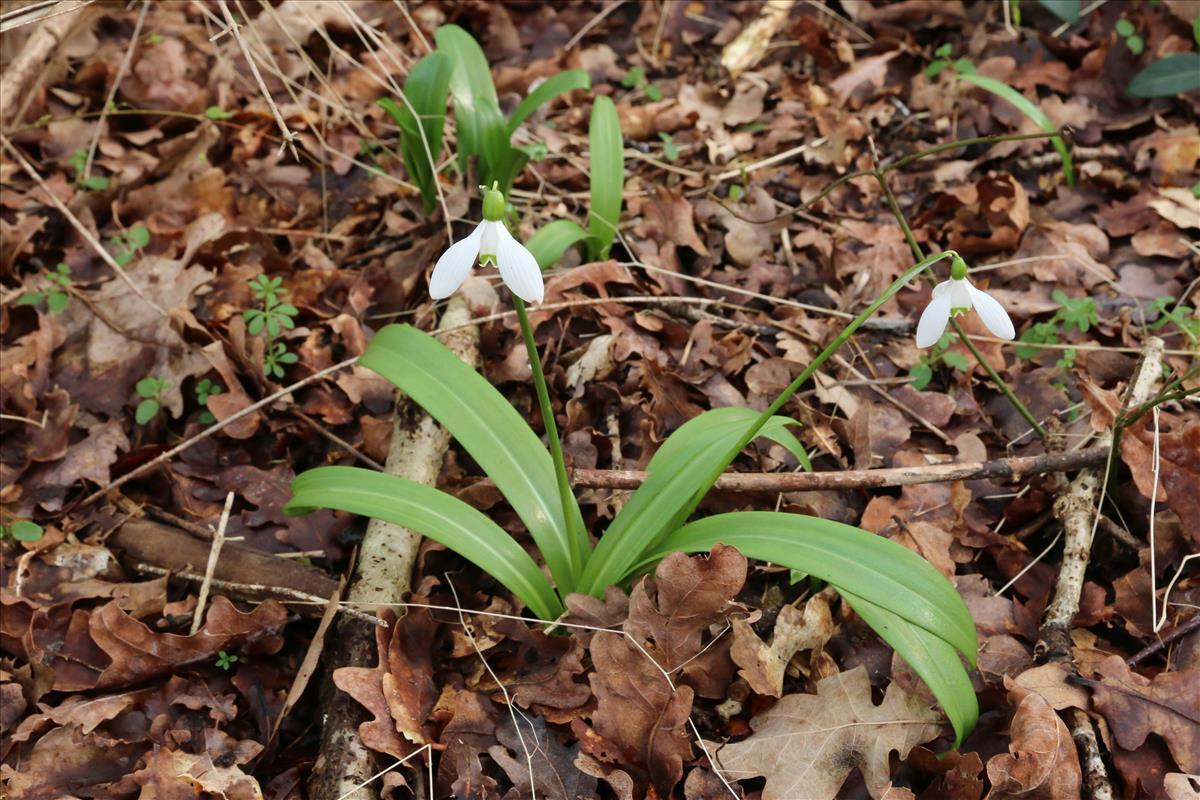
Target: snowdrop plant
{"x":894,"y":590}
{"x":955,"y":297}
{"x":489,"y":244}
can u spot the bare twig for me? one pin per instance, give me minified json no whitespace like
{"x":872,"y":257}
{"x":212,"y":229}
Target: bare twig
{"x":1165,"y":640}
{"x":214,"y":553}
{"x":233,"y":27}
{"x":126,"y":61}
{"x":1014,"y":468}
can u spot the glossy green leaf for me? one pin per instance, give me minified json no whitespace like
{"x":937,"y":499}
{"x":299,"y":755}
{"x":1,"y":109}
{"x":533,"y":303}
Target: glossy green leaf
{"x":1170,"y":75}
{"x":431,"y":513}
{"x":488,"y":427}
{"x":426,"y":88}
{"x":607,"y":176}
{"x":501,"y":161}
{"x":470,"y":82}
{"x":1066,"y":10}
{"x":1029,"y":109}
{"x":550,"y":241}
{"x":673,"y":487}
{"x":869,"y":566}
{"x":546,"y":91}
{"x":931,"y":657}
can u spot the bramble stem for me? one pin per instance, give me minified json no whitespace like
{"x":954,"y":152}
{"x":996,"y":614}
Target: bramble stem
{"x":570,"y":507}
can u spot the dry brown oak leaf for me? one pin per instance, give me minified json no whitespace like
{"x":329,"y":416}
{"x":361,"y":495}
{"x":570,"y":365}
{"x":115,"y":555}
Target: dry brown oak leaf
{"x":1168,"y":705}
{"x":1041,"y":762}
{"x":806,"y":744}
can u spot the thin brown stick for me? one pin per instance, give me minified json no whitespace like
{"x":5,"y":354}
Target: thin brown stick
{"x":1165,"y":640}
{"x":1014,"y":468}
{"x":214,"y":554}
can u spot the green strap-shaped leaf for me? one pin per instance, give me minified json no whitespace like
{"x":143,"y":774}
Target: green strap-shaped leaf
{"x":471,"y":81}
{"x":546,"y":91}
{"x":1170,"y":75}
{"x":426,"y":88}
{"x":1029,"y":109}
{"x":665,"y":499}
{"x":550,"y":241}
{"x":488,"y":427}
{"x":930,"y":657}
{"x":607,"y":175}
{"x":868,"y":566}
{"x":431,"y":513}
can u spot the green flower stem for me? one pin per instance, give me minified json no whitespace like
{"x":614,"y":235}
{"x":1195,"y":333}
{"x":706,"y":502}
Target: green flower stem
{"x":913,"y":245}
{"x":575,"y":534}
{"x":813,"y":366}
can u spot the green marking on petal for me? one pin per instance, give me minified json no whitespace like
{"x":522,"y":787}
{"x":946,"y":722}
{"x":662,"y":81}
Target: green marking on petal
{"x":488,"y":258}
{"x":958,"y":311}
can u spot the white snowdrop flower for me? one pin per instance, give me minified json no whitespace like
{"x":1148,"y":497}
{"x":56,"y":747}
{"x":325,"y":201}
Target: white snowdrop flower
{"x":955,"y":297}
{"x":489,"y":243}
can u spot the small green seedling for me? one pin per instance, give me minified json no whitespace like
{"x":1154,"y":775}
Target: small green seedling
{"x":1183,"y":317}
{"x":670,"y":149}
{"x":226,"y":660}
{"x":22,"y":530}
{"x":57,"y":296}
{"x":205,"y":389}
{"x":151,"y":390}
{"x":635,"y":79}
{"x":78,"y":162}
{"x":270,"y":321}
{"x":922,"y":373}
{"x":126,"y":244}
{"x":217,"y":113}
{"x":1127,"y":31}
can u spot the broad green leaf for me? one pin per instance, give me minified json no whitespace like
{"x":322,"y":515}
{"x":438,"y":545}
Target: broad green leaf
{"x":26,"y":531}
{"x":431,"y":513}
{"x":139,"y":236}
{"x":1066,"y":10}
{"x":1170,"y":75}
{"x":550,"y":241}
{"x":674,"y":486}
{"x":546,"y":91}
{"x":721,"y":427}
{"x":1029,"y":109}
{"x":146,"y":411}
{"x":931,"y":657}
{"x":471,"y":81}
{"x":500,"y":159}
{"x":30,"y":298}
{"x":868,"y":566}
{"x":607,"y":176}
{"x":426,"y":88}
{"x":489,"y":428}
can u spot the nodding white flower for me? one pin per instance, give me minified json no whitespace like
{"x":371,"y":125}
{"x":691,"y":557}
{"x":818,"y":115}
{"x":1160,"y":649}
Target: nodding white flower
{"x":489,"y":243}
{"x":955,"y":297}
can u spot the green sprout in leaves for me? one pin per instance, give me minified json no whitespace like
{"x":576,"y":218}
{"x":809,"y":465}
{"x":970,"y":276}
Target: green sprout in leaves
{"x":1127,"y":31}
{"x":670,"y":149}
{"x":57,"y":296}
{"x":1182,"y":316}
{"x":216,"y":113}
{"x":270,"y":321}
{"x":922,"y":373}
{"x":205,"y":389}
{"x":151,"y":390}
{"x":1079,"y":314}
{"x":22,"y":530}
{"x":636,"y":79}
{"x":78,"y":163}
{"x":226,"y":660}
{"x":125,"y":245}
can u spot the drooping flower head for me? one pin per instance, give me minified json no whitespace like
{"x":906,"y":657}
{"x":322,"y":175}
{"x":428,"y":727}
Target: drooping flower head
{"x":955,"y":297}
{"x":489,"y":244}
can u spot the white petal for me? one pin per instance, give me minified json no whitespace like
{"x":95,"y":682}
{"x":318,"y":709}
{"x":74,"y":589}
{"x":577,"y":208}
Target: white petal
{"x":489,"y":244}
{"x":519,"y":268}
{"x":992,"y":313}
{"x":455,"y":264}
{"x":934,"y":318}
{"x":960,"y":294}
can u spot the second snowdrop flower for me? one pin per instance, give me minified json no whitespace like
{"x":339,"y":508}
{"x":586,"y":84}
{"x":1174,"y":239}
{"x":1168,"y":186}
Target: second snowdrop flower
{"x":490,"y":243}
{"x":955,"y":297}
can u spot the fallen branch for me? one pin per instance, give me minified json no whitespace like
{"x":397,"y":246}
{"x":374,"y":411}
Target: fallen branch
{"x":1007,"y":468}
{"x":383,"y":575}
{"x":41,"y":44}
{"x":1077,"y":509}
